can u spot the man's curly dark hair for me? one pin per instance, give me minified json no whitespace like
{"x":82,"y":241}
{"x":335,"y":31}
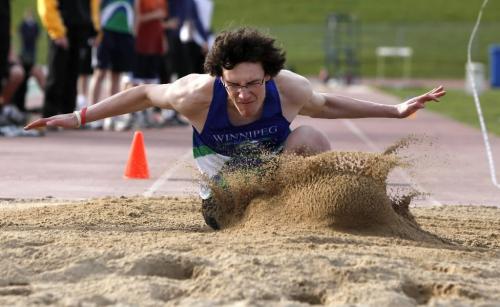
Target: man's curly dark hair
{"x":244,"y":45}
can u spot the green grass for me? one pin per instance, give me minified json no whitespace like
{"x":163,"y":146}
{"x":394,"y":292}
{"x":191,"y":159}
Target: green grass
{"x":460,"y":106}
{"x":437,"y":30}
{"x":279,"y":12}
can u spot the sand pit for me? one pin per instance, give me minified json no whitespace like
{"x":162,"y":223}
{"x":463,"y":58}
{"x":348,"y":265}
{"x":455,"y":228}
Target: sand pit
{"x":320,"y":230}
{"x":151,"y":252}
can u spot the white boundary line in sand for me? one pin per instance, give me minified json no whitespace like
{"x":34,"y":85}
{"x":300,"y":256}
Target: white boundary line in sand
{"x":363,"y":137}
{"x":167,"y":174}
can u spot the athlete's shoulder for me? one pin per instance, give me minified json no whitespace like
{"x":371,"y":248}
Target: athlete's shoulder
{"x":192,"y":92}
{"x":192,"y":86}
{"x":292,"y":86}
{"x":194,"y":82}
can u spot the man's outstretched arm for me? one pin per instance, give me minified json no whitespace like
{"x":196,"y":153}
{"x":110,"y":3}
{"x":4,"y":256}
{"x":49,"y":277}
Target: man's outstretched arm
{"x":131,"y":100}
{"x":190,"y":96}
{"x":326,"y":105}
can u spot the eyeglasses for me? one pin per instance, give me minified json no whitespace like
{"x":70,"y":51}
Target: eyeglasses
{"x":235,"y":88}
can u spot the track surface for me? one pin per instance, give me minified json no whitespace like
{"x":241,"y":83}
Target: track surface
{"x":80,"y":164}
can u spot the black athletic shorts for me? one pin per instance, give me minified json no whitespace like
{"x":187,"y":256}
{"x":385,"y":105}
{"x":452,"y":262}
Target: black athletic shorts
{"x":116,"y":52}
{"x":147,"y":66}
{"x":4,"y":54}
{"x":85,"y":63}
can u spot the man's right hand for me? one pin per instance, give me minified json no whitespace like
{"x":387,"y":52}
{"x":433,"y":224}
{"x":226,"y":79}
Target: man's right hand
{"x":64,"y":120}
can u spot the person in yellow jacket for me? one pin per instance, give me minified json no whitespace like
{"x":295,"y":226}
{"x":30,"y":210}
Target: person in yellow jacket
{"x":69,"y":23}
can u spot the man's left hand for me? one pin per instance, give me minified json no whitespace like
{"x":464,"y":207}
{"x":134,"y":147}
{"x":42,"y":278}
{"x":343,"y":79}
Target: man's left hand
{"x":411,"y":106}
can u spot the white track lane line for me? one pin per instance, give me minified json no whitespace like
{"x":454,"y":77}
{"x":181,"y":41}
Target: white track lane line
{"x":363,"y":137}
{"x":167,"y":174}
{"x":477,"y":102}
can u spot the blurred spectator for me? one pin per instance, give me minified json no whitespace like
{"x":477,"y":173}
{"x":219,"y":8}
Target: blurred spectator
{"x":6,"y":116}
{"x":150,"y":44}
{"x":174,"y":60}
{"x":194,"y":32}
{"x":15,"y":74}
{"x":11,"y":119}
{"x":11,"y":74}
{"x":4,"y":40}
{"x":185,"y":25}
{"x":28,"y":31}
{"x":85,"y":69}
{"x":181,"y":60}
{"x":150,"y":47}
{"x":170,"y":24}
{"x":205,"y":10}
{"x":68,"y":23}
{"x":115,"y":50}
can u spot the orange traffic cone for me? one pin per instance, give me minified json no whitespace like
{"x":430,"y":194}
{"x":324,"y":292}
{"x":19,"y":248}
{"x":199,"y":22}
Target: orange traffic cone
{"x":137,"y":164}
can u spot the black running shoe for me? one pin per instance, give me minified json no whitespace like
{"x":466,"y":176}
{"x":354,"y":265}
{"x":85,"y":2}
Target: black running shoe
{"x":209,"y":211}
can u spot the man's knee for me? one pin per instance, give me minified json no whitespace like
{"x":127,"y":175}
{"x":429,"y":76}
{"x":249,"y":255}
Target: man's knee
{"x":306,"y":140}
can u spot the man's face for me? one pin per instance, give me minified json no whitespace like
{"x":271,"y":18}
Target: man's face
{"x":245,"y":85}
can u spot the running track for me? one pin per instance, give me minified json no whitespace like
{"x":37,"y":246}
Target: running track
{"x":79,"y":164}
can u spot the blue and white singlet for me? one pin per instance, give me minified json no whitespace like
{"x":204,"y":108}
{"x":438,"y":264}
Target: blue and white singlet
{"x":220,"y":140}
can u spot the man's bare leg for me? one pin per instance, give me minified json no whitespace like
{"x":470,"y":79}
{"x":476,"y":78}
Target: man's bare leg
{"x":306,"y":141}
